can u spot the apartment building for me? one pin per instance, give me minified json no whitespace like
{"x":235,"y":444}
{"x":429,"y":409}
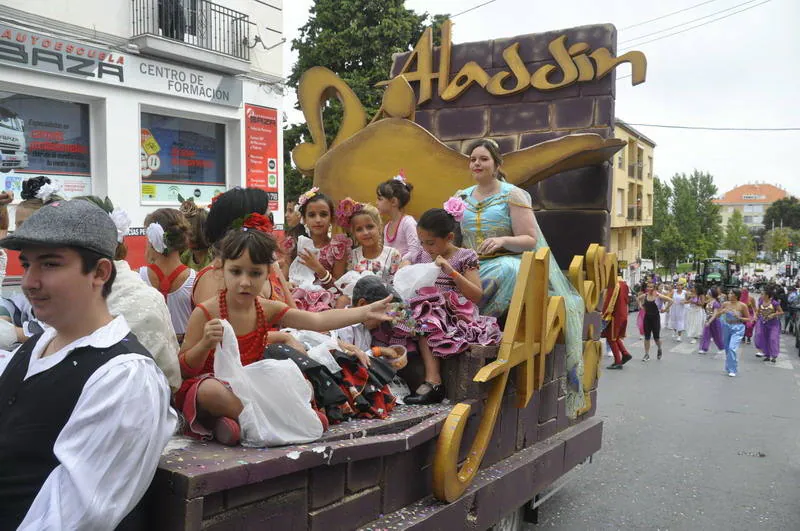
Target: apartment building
{"x":142,"y":100}
{"x":752,"y":200}
{"x":632,"y":198}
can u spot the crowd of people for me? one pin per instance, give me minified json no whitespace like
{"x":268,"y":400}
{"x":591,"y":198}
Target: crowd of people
{"x":724,"y":317}
{"x":103,"y":364}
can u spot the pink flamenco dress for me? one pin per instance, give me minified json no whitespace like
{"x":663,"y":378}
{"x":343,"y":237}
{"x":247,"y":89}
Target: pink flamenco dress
{"x":449,"y":320}
{"x":323,"y":299}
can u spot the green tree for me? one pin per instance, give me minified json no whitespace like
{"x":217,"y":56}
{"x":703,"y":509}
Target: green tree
{"x":662,"y":194}
{"x":356,"y":40}
{"x":783,"y":213}
{"x":696,"y":213}
{"x":738,"y":239}
{"x":671,"y":246}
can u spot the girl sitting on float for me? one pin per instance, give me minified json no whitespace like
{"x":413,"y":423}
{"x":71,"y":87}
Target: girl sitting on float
{"x":363,"y":222}
{"x":228,"y":209}
{"x":400,"y":231}
{"x":246,"y":256}
{"x":447,"y":314}
{"x":328,"y":258}
{"x":167,"y":237}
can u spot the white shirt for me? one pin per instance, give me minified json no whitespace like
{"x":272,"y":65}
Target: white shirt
{"x":146,"y":313}
{"x":179,"y":301}
{"x":109,"y":448}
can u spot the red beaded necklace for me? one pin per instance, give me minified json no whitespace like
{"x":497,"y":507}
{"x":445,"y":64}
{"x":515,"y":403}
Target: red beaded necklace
{"x":389,"y":237}
{"x":252,"y":344}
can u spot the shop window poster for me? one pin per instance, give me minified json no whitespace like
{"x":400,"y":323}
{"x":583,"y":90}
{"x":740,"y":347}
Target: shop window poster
{"x":42,"y":136}
{"x":180,"y":156}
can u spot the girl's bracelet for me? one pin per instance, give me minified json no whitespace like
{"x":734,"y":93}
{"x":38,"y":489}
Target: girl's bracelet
{"x":326,"y":278}
{"x":454,"y":274}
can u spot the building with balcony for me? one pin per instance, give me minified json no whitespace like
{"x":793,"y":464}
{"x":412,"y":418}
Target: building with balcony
{"x":752,"y":200}
{"x":632,"y":198}
{"x":143,"y":100}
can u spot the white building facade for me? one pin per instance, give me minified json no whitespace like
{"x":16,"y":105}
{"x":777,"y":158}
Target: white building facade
{"x":142,"y":100}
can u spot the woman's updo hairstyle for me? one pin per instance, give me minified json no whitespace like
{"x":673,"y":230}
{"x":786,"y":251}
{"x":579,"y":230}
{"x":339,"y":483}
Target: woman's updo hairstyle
{"x":494,"y":151}
{"x":176,"y":228}
{"x":438,"y":222}
{"x":229,"y":206}
{"x":396,"y":189}
{"x":30,"y":189}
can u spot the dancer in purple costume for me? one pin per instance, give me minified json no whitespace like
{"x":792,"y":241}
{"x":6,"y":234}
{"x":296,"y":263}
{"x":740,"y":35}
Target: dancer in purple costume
{"x":714,"y":329}
{"x":769,"y":317}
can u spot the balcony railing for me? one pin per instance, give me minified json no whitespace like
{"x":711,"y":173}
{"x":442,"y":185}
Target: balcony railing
{"x":197,"y":22}
{"x":634,"y":213}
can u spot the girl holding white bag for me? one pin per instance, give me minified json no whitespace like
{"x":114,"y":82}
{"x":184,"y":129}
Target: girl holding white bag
{"x":209,"y":404}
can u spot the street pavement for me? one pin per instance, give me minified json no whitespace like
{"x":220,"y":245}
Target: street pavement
{"x":685,"y":447}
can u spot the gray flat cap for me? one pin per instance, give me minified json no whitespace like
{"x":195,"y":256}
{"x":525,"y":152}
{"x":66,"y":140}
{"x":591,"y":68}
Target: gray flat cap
{"x":66,"y":224}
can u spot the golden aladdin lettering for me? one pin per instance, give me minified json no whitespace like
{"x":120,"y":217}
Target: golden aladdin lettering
{"x":573,"y":64}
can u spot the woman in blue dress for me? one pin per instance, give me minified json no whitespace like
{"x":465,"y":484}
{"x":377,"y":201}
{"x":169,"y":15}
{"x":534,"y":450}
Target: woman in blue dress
{"x":499,"y":224}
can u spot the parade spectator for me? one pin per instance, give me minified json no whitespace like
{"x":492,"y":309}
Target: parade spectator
{"x":793,"y":302}
{"x":400,"y":231}
{"x":142,"y":306}
{"x":6,"y":197}
{"x":499,"y":224}
{"x":167,"y":237}
{"x":652,"y":318}
{"x":85,"y":411}
{"x":199,"y":253}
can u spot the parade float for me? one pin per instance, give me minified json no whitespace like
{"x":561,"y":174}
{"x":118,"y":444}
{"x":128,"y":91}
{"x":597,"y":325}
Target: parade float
{"x":505,"y":435}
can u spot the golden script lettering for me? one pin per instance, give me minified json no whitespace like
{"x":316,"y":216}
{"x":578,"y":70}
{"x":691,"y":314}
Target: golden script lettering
{"x":573,"y":64}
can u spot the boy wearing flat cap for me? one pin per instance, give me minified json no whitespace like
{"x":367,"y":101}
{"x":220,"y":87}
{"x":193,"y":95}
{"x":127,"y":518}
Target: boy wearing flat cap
{"x":84,"y":411}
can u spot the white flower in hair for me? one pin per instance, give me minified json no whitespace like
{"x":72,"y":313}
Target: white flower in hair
{"x":122,"y":221}
{"x":155,"y":235}
{"x":47,"y":191}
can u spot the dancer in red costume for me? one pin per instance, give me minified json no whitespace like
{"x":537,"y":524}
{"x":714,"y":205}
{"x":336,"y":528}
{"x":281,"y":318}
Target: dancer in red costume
{"x":615,"y":311}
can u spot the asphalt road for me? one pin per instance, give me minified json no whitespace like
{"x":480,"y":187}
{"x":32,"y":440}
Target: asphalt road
{"x":686,"y":447}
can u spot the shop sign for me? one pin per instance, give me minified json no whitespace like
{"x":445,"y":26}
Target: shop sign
{"x":43,"y":53}
{"x":261,"y":148}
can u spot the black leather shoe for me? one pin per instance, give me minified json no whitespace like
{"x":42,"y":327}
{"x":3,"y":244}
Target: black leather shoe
{"x":626,"y":358}
{"x":433,"y":394}
{"x":614,"y":367}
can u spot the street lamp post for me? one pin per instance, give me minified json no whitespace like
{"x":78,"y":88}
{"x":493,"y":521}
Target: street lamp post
{"x":656,"y":241}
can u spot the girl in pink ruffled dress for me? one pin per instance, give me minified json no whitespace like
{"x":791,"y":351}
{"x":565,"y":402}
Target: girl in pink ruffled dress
{"x":330,"y":262}
{"x":447,"y":314}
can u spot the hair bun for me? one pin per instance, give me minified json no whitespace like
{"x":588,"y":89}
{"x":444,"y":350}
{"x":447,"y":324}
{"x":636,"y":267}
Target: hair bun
{"x":408,"y":186}
{"x":31,"y":187}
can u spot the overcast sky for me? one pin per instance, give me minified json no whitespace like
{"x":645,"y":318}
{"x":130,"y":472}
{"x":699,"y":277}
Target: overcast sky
{"x":743,"y":71}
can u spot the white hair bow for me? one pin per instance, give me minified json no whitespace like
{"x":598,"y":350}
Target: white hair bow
{"x":155,"y":235}
{"x":123,"y":222}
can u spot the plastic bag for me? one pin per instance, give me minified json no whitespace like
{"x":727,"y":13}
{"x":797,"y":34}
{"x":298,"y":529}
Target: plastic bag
{"x":347,"y":282}
{"x":275,"y":395}
{"x":301,"y":275}
{"x":318,"y":347}
{"x":411,"y":278}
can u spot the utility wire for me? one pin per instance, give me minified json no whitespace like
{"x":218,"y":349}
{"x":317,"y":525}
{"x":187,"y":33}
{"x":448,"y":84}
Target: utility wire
{"x":665,"y":16}
{"x":697,"y":26}
{"x":705,"y":128}
{"x":688,"y":22}
{"x":473,"y":8}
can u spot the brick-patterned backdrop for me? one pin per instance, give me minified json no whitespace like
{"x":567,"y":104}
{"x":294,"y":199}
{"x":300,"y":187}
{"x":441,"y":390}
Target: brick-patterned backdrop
{"x":572,"y":207}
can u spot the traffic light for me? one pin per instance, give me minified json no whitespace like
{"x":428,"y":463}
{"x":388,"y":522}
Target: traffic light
{"x":788,"y":270}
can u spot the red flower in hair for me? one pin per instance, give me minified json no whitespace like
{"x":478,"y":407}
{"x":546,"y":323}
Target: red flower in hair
{"x":258,"y":222}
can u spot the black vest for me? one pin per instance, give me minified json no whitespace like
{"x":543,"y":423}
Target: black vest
{"x":32,"y":415}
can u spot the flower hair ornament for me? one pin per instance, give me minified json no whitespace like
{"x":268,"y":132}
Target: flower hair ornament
{"x":401,"y":178}
{"x":48,"y":192}
{"x":306,"y":196}
{"x":155,"y":236}
{"x":455,"y":206}
{"x":254,"y":221}
{"x":346,"y":210}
